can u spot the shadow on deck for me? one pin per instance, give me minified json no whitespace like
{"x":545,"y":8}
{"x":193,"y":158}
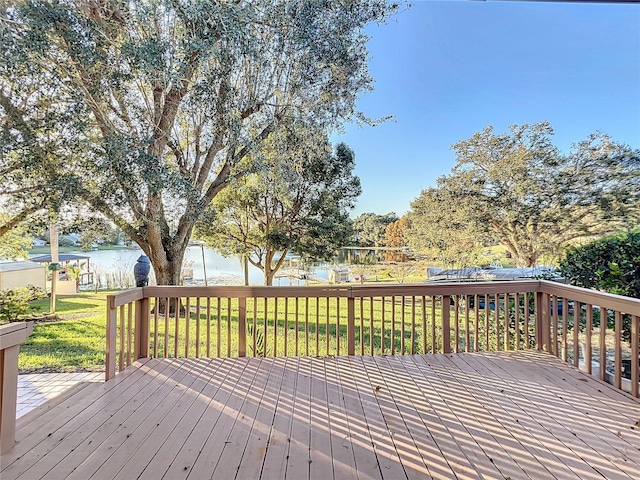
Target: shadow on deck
{"x":493,"y":415}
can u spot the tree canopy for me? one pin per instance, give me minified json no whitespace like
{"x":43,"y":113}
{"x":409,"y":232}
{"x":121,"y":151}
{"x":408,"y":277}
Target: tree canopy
{"x":519,"y":190}
{"x":298,"y":203}
{"x":394,"y":233}
{"x":15,"y":243}
{"x":370,"y":228}
{"x":144,"y":110}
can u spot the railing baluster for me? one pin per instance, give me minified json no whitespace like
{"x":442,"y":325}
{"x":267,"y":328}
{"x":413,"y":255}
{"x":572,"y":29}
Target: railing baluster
{"x":218,"y":326}
{"x":371,"y":328}
{"x":317,"y":327}
{"x":497,"y":321}
{"x":208,"y":327}
{"x":156,"y":314}
{"x":516,"y":311}
{"x":424,"y":324}
{"x":487,"y":348}
{"x":589,"y":328}
{"x":635,"y":354}
{"x":228,"y":327}
{"x":383,"y":308}
{"x":351,"y":326}
{"x":565,"y":329}
{"x":242,"y":327}
{"x":507,"y":321}
{"x":413,"y":324}
{"x":177,"y":331}
{"x":577,"y":309}
{"x":402,"y":325}
{"x":296,"y":324}
{"x":446,"y":324}
{"x":434,"y":344}
{"x":165,"y":353}
{"x":338,"y":333}
{"x":187,"y":326}
{"x":476,"y":325}
{"x":286,"y":325}
{"x":554,"y":327}
{"x":112,"y":326}
{"x":527,"y":321}
{"x":467,"y":334}
{"x":265,"y":326}
{"x":456,"y":320}
{"x":122,"y":344}
{"x":361,"y":302}
{"x":603,"y":343}
{"x":197,"y":327}
{"x":617,"y":350}
{"x":393,"y":325}
{"x":255,"y":327}
{"x":306,"y":325}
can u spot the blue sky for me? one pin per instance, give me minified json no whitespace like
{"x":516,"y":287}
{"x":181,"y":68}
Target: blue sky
{"x":447,"y":69}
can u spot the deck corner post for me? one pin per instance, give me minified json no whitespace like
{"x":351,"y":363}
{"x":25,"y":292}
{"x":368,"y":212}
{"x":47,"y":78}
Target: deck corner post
{"x":351,"y":325}
{"x":12,"y":336}
{"x":110,"y":358}
{"x":141,"y":343}
{"x":242,"y":327}
{"x":446,"y":324}
{"x":542,"y":321}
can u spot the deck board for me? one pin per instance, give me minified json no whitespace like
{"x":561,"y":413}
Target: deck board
{"x":466,"y":416}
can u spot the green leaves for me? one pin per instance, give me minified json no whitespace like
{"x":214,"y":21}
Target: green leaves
{"x":145,"y":110}
{"x":295,"y":200}
{"x":611,"y":264}
{"x":517,"y":189}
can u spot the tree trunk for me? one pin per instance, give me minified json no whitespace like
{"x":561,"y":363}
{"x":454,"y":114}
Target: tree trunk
{"x":268,"y":276}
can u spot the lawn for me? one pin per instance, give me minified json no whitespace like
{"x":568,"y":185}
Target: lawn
{"x":73,"y":344}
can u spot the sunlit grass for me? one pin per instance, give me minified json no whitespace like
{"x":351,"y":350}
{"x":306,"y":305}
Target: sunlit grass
{"x":74,"y":343}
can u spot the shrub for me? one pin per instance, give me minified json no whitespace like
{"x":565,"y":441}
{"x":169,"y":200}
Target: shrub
{"x":610,"y":264}
{"x":15,"y":303}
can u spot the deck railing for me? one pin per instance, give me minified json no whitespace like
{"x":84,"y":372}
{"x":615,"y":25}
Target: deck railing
{"x":169,"y":322}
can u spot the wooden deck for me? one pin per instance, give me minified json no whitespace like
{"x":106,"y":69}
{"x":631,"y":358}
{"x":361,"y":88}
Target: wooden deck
{"x":500,"y":415}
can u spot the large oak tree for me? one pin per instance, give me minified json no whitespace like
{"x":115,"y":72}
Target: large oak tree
{"x":517,"y":189}
{"x":144,"y":109}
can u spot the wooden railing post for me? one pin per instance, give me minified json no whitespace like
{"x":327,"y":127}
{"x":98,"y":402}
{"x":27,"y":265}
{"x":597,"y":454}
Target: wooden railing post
{"x":11,"y":336}
{"x":543,"y":328}
{"x":110,"y":360}
{"x":635,"y":355}
{"x":141,"y":334}
{"x":242,"y":327}
{"x":351,"y":326}
{"x":446,"y":324}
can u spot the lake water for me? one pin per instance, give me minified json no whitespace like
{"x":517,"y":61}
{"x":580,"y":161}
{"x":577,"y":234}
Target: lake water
{"x":115,"y":267}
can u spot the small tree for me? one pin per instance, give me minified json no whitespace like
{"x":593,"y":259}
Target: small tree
{"x":297,"y":200}
{"x":394,"y":234}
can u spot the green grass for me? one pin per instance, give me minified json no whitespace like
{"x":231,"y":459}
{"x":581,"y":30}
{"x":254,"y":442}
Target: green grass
{"x":74,"y":343}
